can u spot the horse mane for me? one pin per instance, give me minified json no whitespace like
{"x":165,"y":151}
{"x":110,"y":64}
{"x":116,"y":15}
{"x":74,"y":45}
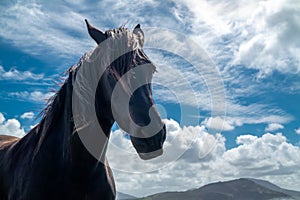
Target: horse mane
{"x":53,"y":103}
{"x":55,"y":106}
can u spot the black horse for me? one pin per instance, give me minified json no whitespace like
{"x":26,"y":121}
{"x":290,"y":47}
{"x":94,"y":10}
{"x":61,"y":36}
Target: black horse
{"x":52,"y":161}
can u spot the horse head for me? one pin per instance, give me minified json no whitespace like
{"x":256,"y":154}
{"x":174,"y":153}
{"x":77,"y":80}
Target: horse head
{"x":125,"y":89}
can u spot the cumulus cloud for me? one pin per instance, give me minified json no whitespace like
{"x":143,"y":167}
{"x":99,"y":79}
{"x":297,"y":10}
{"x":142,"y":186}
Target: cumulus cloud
{"x":297,"y":131}
{"x":14,"y":74}
{"x":195,"y":140}
{"x":10,"y":127}
{"x":263,"y":156}
{"x":27,"y":115}
{"x":274,"y":127}
{"x":271,"y":42}
{"x":203,"y":159}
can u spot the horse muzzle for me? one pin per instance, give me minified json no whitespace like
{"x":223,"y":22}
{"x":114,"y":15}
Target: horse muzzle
{"x":151,"y":147}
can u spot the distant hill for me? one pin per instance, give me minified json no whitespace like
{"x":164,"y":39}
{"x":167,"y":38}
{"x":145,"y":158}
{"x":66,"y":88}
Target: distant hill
{"x":271,"y":186}
{"x":240,"y":189}
{"x":122,"y":196}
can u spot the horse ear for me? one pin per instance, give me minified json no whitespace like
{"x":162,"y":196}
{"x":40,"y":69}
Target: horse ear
{"x":96,"y":34}
{"x":140,"y":34}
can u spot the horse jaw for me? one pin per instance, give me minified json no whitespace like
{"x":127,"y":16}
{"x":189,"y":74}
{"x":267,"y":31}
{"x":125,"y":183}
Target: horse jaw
{"x":151,"y":155}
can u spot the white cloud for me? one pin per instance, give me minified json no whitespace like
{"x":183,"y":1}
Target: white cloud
{"x":255,"y":113}
{"x":226,"y":30}
{"x":257,"y":34}
{"x":177,"y":82}
{"x":36,"y":96}
{"x":10,"y":127}
{"x":62,"y":31}
{"x":297,"y":131}
{"x":274,"y":127}
{"x":205,"y":159}
{"x":219,"y":123}
{"x":272,"y":42}
{"x":27,"y":115}
{"x":14,"y":74}
{"x":195,"y":139}
{"x":241,"y":36}
{"x":229,"y":123}
{"x":45,"y":29}
{"x":263,"y":156}
{"x":2,"y":118}
{"x":246,"y":139}
{"x":208,"y":14}
{"x":222,"y":43}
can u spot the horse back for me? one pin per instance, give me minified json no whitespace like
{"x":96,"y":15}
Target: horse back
{"x":6,"y":141}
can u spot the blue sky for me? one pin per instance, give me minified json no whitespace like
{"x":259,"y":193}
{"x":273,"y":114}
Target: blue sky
{"x":254,"y":46}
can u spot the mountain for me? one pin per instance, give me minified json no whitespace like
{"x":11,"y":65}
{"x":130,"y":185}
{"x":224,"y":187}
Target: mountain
{"x":240,"y":189}
{"x":294,"y":194}
{"x":123,"y":196}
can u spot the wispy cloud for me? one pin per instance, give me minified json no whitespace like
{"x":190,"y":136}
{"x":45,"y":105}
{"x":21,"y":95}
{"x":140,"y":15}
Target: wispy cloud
{"x":62,"y":31}
{"x":14,"y":74}
{"x":258,"y":35}
{"x":178,"y":83}
{"x":238,"y":33}
{"x":27,"y":115}
{"x":54,"y":30}
{"x":256,"y":113}
{"x":274,"y":127}
{"x":229,"y":123}
{"x":36,"y":96}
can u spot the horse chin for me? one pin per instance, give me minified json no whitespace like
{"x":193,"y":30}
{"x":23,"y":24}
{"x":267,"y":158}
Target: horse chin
{"x":151,"y":155}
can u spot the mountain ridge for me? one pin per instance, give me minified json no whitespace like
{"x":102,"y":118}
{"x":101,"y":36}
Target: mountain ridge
{"x":243,"y":188}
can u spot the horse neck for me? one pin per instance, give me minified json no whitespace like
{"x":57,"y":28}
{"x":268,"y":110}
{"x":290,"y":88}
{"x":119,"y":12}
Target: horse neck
{"x":57,"y":130}
{"x":79,"y":152}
